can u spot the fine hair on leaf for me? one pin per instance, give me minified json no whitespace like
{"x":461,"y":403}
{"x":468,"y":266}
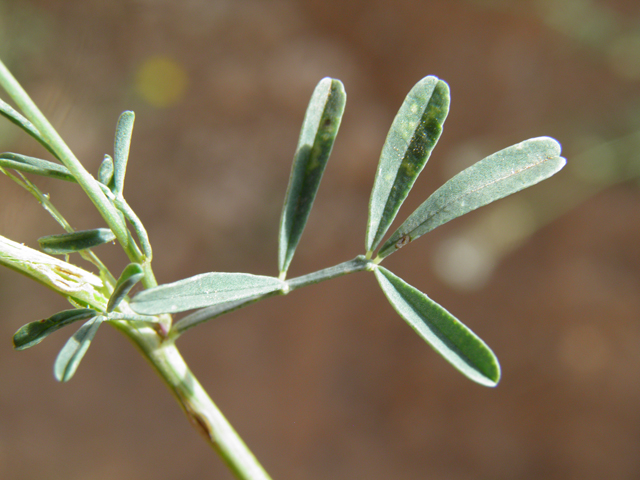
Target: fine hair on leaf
{"x":499,"y":175}
{"x":74,"y":350}
{"x":319,"y":130}
{"x":411,"y":138}
{"x":445,"y":333}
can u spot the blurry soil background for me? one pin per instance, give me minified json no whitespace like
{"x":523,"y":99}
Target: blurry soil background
{"x":328,"y":382}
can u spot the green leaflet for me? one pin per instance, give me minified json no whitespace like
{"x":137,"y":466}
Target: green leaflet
{"x":124,"y":129}
{"x":33,"y":333}
{"x":450,"y":338}
{"x":503,"y":173}
{"x":131,"y":275}
{"x":209,"y":313}
{"x":76,"y":241}
{"x":71,"y":354}
{"x":358,"y":264}
{"x":123,"y":207}
{"x":319,"y":130}
{"x":105,"y":172}
{"x":203,"y":290}
{"x":38,"y":166}
{"x":11,"y":114}
{"x":413,"y":134}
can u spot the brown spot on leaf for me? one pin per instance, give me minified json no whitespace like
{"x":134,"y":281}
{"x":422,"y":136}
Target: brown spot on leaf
{"x":403,"y":241}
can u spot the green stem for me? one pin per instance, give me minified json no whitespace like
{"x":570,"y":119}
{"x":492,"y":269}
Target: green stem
{"x":84,"y":178}
{"x":84,"y":288}
{"x":203,"y":414}
{"x":44,"y":200}
{"x":358,"y":264}
{"x":161,"y":353}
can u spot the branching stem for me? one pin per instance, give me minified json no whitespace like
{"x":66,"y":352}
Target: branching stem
{"x":85,"y":179}
{"x":162,"y":354}
{"x":358,"y":264}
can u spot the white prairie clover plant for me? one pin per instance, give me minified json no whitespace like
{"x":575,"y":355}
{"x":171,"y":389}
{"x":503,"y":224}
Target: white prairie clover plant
{"x":145,"y":318}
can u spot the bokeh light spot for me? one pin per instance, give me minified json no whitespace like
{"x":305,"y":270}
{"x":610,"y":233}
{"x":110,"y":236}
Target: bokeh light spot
{"x":463,"y":263}
{"x":161,"y":81}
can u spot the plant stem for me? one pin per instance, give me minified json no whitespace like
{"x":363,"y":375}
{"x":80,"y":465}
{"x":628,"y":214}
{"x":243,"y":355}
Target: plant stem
{"x":203,"y":414}
{"x":84,"y":178}
{"x":358,"y":264}
{"x":160,"y":352}
{"x":44,"y":200}
{"x":84,"y":288}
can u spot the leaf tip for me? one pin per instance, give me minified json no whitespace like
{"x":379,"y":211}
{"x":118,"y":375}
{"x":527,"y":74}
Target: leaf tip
{"x":17,"y":342}
{"x":553,"y":147}
{"x":493,"y":378}
{"x":127,"y":116}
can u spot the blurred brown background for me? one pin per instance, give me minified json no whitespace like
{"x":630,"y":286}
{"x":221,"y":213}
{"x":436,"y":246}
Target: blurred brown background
{"x":329,"y":383}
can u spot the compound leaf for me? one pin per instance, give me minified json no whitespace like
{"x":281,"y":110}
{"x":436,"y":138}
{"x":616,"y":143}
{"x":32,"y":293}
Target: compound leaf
{"x":503,"y":173}
{"x":73,"y":242}
{"x":319,"y":130}
{"x":131,"y":275}
{"x":445,"y":333}
{"x":203,"y":290}
{"x":71,"y":354}
{"x":33,"y":333}
{"x":413,"y":134}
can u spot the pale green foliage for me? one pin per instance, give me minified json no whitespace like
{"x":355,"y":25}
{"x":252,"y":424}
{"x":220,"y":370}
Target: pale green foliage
{"x":122,"y":143}
{"x":413,"y":134}
{"x":105,"y":172}
{"x":203,"y":290}
{"x":69,"y":357}
{"x":12,"y":115}
{"x":65,"y":243}
{"x":38,"y":166}
{"x":319,"y":130}
{"x":77,"y":284}
{"x":503,"y":173}
{"x":131,"y":275}
{"x":146,"y":318}
{"x":33,"y":333}
{"x":411,"y":139}
{"x":450,"y":338}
